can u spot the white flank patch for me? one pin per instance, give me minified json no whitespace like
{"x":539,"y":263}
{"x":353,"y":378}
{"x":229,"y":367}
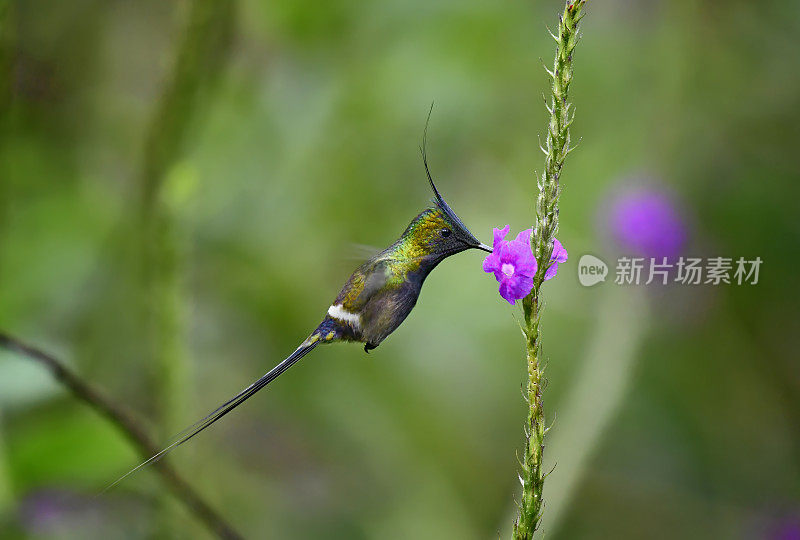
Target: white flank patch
{"x":337,"y":312}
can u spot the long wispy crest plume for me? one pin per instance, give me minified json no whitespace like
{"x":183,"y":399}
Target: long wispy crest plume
{"x":439,"y":200}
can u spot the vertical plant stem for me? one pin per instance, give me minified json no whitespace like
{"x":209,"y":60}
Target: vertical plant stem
{"x":556,"y":148}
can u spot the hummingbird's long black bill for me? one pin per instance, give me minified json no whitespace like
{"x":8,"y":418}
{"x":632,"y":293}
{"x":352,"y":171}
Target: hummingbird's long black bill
{"x":484,"y":247}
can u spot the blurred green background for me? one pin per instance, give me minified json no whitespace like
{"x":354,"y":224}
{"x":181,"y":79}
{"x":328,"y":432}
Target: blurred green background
{"x":181,"y":187}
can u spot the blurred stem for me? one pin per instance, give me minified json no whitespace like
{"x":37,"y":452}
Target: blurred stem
{"x":199,"y":59}
{"x":622,"y":321}
{"x":130,"y":427}
{"x":6,"y":57}
{"x":7,"y":62}
{"x":6,"y":489}
{"x":556,"y":150}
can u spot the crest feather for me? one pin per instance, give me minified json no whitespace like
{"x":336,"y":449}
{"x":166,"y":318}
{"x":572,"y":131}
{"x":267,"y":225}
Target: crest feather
{"x":438,"y":200}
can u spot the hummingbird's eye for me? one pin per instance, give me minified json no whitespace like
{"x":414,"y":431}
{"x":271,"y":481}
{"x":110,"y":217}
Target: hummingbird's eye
{"x":445,"y":233}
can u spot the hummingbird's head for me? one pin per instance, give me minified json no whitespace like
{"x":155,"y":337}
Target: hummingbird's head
{"x":438,"y":231}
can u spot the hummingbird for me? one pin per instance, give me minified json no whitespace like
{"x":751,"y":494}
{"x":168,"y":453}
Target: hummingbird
{"x":374,"y":301}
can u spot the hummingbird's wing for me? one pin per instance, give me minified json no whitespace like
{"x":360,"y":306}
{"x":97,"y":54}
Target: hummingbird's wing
{"x":377,"y":279}
{"x":387,"y":299}
{"x":368,"y":279}
{"x":361,"y":252}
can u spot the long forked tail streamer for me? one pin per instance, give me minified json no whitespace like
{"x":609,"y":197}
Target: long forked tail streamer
{"x":225,"y":408}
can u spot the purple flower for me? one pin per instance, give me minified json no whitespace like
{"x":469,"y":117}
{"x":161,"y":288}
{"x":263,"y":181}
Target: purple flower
{"x":514,"y":266}
{"x":44,"y":512}
{"x":646,"y":222}
{"x":786,"y":529}
{"x":512,"y":263}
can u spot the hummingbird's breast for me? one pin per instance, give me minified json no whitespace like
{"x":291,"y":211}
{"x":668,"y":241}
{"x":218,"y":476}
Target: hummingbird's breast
{"x":385,"y":311}
{"x":378,"y":297}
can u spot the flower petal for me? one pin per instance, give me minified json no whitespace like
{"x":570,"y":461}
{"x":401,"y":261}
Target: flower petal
{"x":526,"y":265}
{"x":520,"y":255}
{"x":551,"y":272}
{"x":522,"y":286}
{"x":492,"y":265}
{"x":508,"y":252}
{"x":559,"y":253}
{"x":499,"y":235}
{"x":507,"y":290}
{"x":524,"y":236}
